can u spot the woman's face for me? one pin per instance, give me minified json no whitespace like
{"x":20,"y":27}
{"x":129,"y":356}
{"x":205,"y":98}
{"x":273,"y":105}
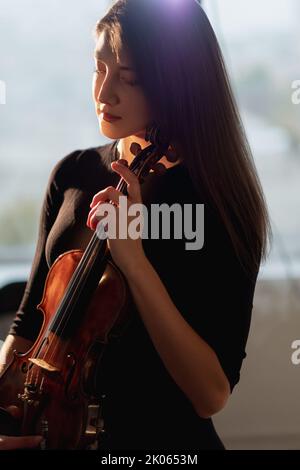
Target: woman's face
{"x":117,"y":92}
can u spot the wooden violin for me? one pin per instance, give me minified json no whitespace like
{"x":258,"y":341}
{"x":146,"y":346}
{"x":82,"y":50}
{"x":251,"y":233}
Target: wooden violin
{"x":85,"y":305}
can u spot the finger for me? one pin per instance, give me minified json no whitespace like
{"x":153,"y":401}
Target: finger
{"x":135,"y":148}
{"x":123,"y":161}
{"x":131,"y":179}
{"x":90,"y":215}
{"x":23,"y":442}
{"x":98,"y":216}
{"x":92,"y":219}
{"x":95,"y":219}
{"x":108,"y":194}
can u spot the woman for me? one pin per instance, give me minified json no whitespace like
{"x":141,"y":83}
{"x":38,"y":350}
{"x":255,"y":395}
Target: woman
{"x":178,"y":362}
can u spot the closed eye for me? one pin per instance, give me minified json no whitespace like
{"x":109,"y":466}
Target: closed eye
{"x":128,"y":82}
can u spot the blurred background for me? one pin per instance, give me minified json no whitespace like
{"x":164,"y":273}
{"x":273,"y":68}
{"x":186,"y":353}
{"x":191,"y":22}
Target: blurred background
{"x":46,"y":64}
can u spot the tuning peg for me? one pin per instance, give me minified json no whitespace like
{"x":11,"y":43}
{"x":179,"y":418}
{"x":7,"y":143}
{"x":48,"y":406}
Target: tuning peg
{"x":135,"y":148}
{"x":171,"y":155}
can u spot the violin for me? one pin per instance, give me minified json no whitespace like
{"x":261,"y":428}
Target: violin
{"x":85,"y":305}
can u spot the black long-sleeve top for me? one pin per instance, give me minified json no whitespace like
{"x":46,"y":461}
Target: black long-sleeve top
{"x":144,"y":408}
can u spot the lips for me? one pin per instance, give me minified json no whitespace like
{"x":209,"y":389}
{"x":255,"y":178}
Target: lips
{"x":109,"y":117}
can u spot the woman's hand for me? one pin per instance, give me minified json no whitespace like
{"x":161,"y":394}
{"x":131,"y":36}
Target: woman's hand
{"x":22,"y":442}
{"x":126,"y":252}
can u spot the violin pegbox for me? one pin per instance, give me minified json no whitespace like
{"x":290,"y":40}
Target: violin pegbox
{"x":146,"y":159}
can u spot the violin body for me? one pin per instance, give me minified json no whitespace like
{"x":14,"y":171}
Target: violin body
{"x":51,"y":389}
{"x":53,"y":384}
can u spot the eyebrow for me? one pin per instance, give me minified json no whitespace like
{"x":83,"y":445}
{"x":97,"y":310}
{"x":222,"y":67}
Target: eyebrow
{"x":98,"y":56}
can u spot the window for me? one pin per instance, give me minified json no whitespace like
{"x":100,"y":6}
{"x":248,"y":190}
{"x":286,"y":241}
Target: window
{"x":46,"y":110}
{"x":260,"y":42}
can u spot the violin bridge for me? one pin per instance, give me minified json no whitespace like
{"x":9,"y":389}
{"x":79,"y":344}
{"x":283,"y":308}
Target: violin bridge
{"x":43,"y":364}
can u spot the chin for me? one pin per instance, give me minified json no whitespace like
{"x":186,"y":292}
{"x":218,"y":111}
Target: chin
{"x":110,"y":133}
{"x":113,"y":133}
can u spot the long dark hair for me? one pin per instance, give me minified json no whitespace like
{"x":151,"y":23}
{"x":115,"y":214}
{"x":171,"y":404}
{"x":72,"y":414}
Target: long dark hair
{"x":181,"y":68}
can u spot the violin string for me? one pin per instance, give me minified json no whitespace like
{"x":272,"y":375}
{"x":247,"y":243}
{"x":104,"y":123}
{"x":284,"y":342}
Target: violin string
{"x":95,"y":242}
{"x":80,"y":272}
{"x":64,"y":305}
{"x":81,"y":275}
{"x":67,"y":300}
{"x":37,"y":377}
{"x":80,"y":278}
{"x":95,"y":239}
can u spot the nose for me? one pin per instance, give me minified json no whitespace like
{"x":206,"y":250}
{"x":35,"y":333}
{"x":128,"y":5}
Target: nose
{"x":106,"y":93}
